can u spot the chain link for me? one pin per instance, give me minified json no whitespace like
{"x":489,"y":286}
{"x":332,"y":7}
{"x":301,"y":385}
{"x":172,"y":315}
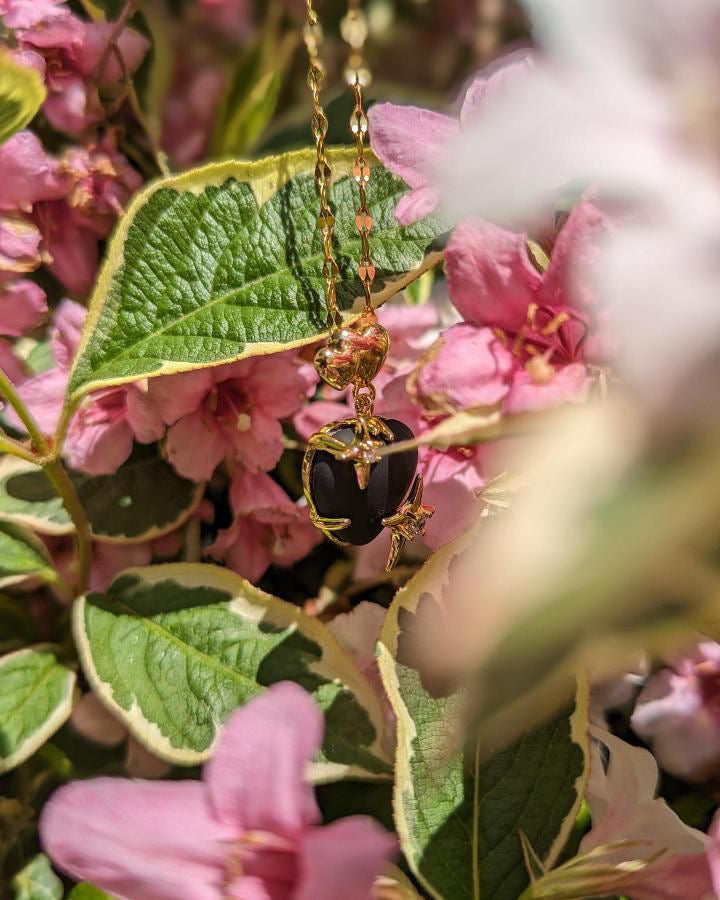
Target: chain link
{"x":354,"y":30}
{"x":312,"y":33}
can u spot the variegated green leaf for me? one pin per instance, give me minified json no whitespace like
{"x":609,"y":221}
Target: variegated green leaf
{"x":173,"y":649}
{"x":225,"y":261}
{"x":36,"y":693}
{"x":37,"y":881}
{"x":460,"y":810}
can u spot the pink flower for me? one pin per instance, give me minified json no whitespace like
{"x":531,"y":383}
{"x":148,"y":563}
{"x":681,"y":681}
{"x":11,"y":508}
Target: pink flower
{"x":100,"y":436}
{"x":678,"y":713}
{"x":492,"y":281}
{"x":232,"y":18}
{"x":29,"y":173}
{"x":98,"y":183}
{"x":72,"y":50}
{"x":267,"y":527}
{"x":232,"y":410}
{"x":624,"y":807}
{"x":250,"y":828}
{"x":411,"y":141}
{"x":23,"y":306}
{"x":189,"y":110}
{"x":19,"y":246}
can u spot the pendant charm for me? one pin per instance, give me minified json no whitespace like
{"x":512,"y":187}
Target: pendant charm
{"x":354,"y":355}
{"x":353,"y":494}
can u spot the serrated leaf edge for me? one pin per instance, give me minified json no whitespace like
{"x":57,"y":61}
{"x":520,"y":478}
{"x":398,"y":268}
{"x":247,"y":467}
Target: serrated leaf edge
{"x":265,"y":177}
{"x":207,"y":575}
{"x":435,"y":572}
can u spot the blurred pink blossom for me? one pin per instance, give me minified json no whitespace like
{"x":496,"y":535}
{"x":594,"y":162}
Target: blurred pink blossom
{"x":19,"y":246}
{"x":101,"y":434}
{"x":267,"y":527}
{"x":250,"y":828}
{"x":678,"y":714}
{"x":411,"y":141}
{"x":190,"y":108}
{"x":23,"y":306}
{"x":624,"y":807}
{"x":232,"y":18}
{"x":98,"y":183}
{"x":29,"y":173}
{"x":72,"y":51}
{"x":231,"y":410}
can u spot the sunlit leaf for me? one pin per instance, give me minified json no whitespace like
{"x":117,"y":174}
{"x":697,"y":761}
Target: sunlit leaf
{"x":22,"y":93}
{"x":225,"y":261}
{"x":173,"y":649}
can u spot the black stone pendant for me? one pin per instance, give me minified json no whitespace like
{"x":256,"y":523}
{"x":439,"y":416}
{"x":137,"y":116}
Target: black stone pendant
{"x":336,"y":493}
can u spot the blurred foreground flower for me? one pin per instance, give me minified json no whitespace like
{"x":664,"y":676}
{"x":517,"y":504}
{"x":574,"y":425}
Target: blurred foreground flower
{"x":618,"y":106}
{"x":678,"y":713}
{"x":622,"y":799}
{"x":249,"y":829}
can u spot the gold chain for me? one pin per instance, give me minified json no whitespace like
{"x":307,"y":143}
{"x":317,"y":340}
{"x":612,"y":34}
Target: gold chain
{"x":354,"y":30}
{"x":313,"y":36}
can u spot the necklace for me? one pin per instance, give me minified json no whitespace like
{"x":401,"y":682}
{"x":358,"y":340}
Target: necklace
{"x":352,"y":490}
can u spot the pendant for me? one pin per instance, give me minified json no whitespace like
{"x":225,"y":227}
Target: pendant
{"x":353,"y":493}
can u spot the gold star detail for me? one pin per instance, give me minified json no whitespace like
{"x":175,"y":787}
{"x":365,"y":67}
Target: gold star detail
{"x":408,"y":522}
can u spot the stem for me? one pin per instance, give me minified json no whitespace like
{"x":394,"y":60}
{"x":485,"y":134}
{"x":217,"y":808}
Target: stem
{"x":7,"y":389}
{"x":49,"y":461}
{"x":83,"y":539}
{"x":15,"y":448}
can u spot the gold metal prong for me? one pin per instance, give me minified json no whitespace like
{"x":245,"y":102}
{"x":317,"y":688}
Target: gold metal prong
{"x":408,"y":522}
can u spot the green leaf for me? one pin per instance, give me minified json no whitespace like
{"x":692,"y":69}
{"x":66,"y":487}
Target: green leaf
{"x":249,"y":119}
{"x":116,"y":505}
{"x":22,"y":93}
{"x":87,"y":891}
{"x":225,"y":261}
{"x":143,"y":500}
{"x":36,"y":694}
{"x":458,"y":813}
{"x":28,"y":498}
{"x":174,"y":649}
{"x":37,"y":881}
{"x":22,"y":555}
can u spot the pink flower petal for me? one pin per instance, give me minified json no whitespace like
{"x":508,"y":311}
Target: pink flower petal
{"x":10,"y":364}
{"x":98,"y":448}
{"x":244,"y":548}
{"x":68,"y":324}
{"x":416,"y":205}
{"x":570,"y":384}
{"x":23,"y":306}
{"x":409,"y":141}
{"x":131,"y":45}
{"x":260,"y":496}
{"x":256,"y":777}
{"x":343,"y":859}
{"x":497,"y":77}
{"x":316,"y":415}
{"x":19,"y":245}
{"x":44,"y":396}
{"x":29,"y":173}
{"x":260,"y":446}
{"x":135,"y":839}
{"x":73,"y":247}
{"x":180,"y":395}
{"x":110,"y":559}
{"x":195,"y":446}
{"x":575,"y":257}
{"x":468,"y":368}
{"x":491,"y":280}
{"x":143,"y":415}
